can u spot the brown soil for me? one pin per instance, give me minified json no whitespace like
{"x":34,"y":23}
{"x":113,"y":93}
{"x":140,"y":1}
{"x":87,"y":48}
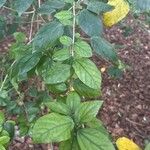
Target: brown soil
{"x":126,"y":110}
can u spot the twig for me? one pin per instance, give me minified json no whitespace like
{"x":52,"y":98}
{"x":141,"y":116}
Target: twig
{"x":140,"y":135}
{"x":28,"y":22}
{"x":42,"y":18}
{"x":5,"y":79}
{"x":29,"y":42}
{"x":29,"y":12}
{"x":31,"y":28}
{"x":74,"y":26}
{"x":25,"y":111}
{"x":50,"y":147}
{"x":3,"y":83}
{"x":39,"y":3}
{"x":135,"y":123}
{"x":74,"y":23}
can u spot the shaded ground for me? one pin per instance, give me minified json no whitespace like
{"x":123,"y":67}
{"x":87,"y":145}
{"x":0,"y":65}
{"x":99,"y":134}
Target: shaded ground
{"x":126,"y":110}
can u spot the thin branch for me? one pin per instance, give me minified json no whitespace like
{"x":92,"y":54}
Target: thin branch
{"x":3,"y":83}
{"x":31,"y":28}
{"x":132,"y":122}
{"x":42,"y":18}
{"x":29,"y":12}
{"x":30,"y":42}
{"x":39,"y":3}
{"x":6,"y":77}
{"x":74,"y":23}
{"x":74,"y":28}
{"x":49,"y":146}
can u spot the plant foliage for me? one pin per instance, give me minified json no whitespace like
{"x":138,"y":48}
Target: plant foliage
{"x":58,"y":58}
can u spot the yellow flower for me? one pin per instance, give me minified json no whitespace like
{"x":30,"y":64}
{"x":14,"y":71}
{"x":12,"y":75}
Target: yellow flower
{"x":118,"y":13}
{"x":126,"y":144}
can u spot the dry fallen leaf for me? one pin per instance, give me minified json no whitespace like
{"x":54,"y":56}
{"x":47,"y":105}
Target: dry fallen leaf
{"x":118,"y":13}
{"x":124,"y":143}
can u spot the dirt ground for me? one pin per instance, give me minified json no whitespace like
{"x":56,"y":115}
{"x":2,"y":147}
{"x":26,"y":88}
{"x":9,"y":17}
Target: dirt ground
{"x":126,"y":109}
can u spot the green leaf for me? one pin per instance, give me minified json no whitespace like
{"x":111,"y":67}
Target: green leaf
{"x":73,"y":101}
{"x":90,"y":23}
{"x":57,"y":88}
{"x":2,"y":118}
{"x":69,"y":1}
{"x":2,"y":27}
{"x":3,"y":102}
{"x":51,"y":6}
{"x":94,"y":123}
{"x":28,"y":62}
{"x":46,"y":9}
{"x":33,"y":92}
{"x":97,"y":124}
{"x":115,"y":72}
{"x":4,"y":140}
{"x":92,"y":139}
{"x":99,"y":7}
{"x":71,"y":144}
{"x":57,"y":4}
{"x":88,"y":110}
{"x":66,"y":40}
{"x":9,"y":126}
{"x":2,"y":147}
{"x":48,"y":34}
{"x":19,"y":48}
{"x":2,"y":2}
{"x":82,"y":49}
{"x":58,"y":107}
{"x":88,"y":73}
{"x":147,"y":147}
{"x":32,"y":111}
{"x":104,"y":48}
{"x":4,"y":133}
{"x":12,"y":27}
{"x":61,"y":55}
{"x":20,"y":37}
{"x":44,"y":97}
{"x":3,"y":98}
{"x":52,"y":128}
{"x":59,"y":73}
{"x":22,"y":5}
{"x":84,"y":90}
{"x":64,"y":15}
{"x":44,"y":65}
{"x":142,"y":6}
{"x":23,"y":126}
